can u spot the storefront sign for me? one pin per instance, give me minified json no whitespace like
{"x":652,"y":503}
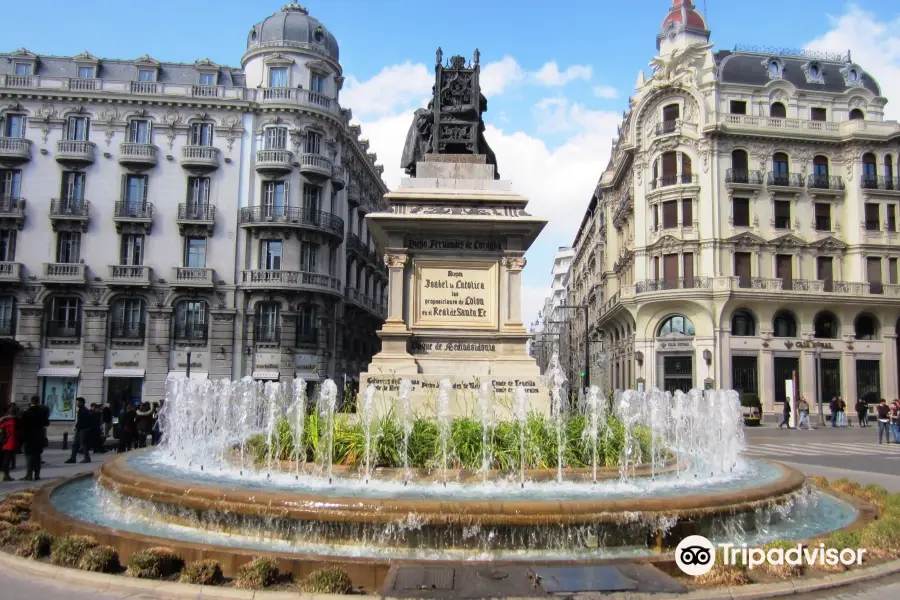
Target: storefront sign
{"x":455,"y":295}
{"x":194,"y":365}
{"x":268,"y":367}
{"x":809,"y":345}
{"x":127,"y":363}
{"x":61,"y":363}
{"x":454,"y":244}
{"x":676,"y":345}
{"x":500,"y":386}
{"x":61,"y":358}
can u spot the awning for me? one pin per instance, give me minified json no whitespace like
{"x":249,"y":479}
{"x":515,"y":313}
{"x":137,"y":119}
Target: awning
{"x":197,"y":375}
{"x":59,"y":372}
{"x":307,"y":376}
{"x":269,"y":375}
{"x":130,"y":373}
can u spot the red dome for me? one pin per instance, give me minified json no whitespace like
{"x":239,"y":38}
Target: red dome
{"x":681,"y":9}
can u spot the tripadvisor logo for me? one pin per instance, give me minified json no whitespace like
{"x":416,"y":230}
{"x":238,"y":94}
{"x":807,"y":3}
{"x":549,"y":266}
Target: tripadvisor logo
{"x":696,"y":556}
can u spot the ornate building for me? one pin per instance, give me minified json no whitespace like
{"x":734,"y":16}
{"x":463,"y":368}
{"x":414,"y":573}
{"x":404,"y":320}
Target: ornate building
{"x":746,"y":226}
{"x":184,"y":212}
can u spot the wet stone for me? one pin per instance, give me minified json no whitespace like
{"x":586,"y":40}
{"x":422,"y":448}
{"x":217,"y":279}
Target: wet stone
{"x":629,"y":577}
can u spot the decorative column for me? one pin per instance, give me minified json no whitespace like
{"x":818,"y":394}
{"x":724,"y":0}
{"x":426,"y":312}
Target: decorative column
{"x":93,"y":361}
{"x":222,"y":343}
{"x":889,"y":387}
{"x":158,"y":351}
{"x":396,"y":263}
{"x":513,"y":266}
{"x":28,"y":359}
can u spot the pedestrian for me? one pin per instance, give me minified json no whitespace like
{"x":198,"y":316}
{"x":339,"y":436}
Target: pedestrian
{"x":8,"y":442}
{"x":143,"y":424}
{"x":154,"y":430}
{"x":82,"y":441}
{"x":804,"y":414}
{"x":895,"y":421}
{"x":34,"y":423}
{"x":833,"y":406}
{"x":106,"y":417}
{"x":14,"y":411}
{"x":787,"y":414}
{"x":862,"y":412}
{"x":126,"y":428}
{"x":883,"y":414}
{"x":842,"y":412}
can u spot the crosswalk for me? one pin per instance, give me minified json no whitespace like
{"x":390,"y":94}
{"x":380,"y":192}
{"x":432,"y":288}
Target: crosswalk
{"x":788,"y":450}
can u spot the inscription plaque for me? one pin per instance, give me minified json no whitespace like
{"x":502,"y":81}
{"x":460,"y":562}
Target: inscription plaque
{"x":461,"y":294}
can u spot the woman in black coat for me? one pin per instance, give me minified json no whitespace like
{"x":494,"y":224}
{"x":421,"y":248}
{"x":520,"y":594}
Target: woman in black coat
{"x":34,"y":421}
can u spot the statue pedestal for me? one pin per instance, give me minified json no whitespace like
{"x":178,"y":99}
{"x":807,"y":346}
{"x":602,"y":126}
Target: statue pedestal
{"x":455,"y":240}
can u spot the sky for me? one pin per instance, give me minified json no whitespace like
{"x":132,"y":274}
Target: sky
{"x":557,"y":75}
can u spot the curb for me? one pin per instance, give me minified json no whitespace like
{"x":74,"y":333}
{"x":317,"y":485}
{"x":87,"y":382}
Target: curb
{"x":116,"y":583}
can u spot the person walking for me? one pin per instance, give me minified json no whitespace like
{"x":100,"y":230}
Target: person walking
{"x":804,"y":414}
{"x":895,"y":421}
{"x":106,"y":417}
{"x":143,"y":424}
{"x":8,"y":441}
{"x":862,"y":412}
{"x":82,"y":441}
{"x":787,"y":414}
{"x":126,"y":429}
{"x":34,"y":422}
{"x":833,"y":406}
{"x":842,"y":412}
{"x":883,"y":414}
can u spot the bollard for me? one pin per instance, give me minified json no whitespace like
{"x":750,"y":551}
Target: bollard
{"x":65,"y":440}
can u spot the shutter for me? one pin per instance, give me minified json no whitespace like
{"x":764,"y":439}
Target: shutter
{"x":688,"y":263}
{"x":670,"y":268}
{"x":145,"y":185}
{"x":124,"y":188}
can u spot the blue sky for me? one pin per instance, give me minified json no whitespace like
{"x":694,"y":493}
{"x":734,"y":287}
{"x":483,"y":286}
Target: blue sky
{"x":557,"y":75}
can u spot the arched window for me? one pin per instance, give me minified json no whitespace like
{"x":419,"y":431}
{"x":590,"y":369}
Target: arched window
{"x":64,"y":318}
{"x":889,"y":172}
{"x":276,"y":138}
{"x":784,"y":325}
{"x":825,"y":326}
{"x":191,"y":321}
{"x":743,"y":324}
{"x":669,"y":162}
{"x":774,"y":69}
{"x":128,"y":319}
{"x":865,"y":327}
{"x":778,"y":111}
{"x":739,"y":167}
{"x":268,"y":322}
{"x":671,"y":113}
{"x":780,"y":169}
{"x":857,"y":115}
{"x":869,"y":171}
{"x":687,"y":174}
{"x":676,"y":324}
{"x":819,"y":177}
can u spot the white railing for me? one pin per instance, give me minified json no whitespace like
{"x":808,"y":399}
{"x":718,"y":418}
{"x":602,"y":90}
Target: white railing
{"x":193,"y":275}
{"x":129,"y":272}
{"x":316,"y":161}
{"x":278,"y":157}
{"x":84,"y":85}
{"x":16,"y":146}
{"x":144,"y":87}
{"x":135,"y":150}
{"x":205,"y":91}
{"x":830,"y":128}
{"x":10,"y":270}
{"x":64,"y":271}
{"x":200,"y":153}
{"x":20,"y":81}
{"x":75,"y":148}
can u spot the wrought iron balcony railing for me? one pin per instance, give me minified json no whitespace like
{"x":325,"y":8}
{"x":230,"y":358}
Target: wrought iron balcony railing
{"x":744,"y":176}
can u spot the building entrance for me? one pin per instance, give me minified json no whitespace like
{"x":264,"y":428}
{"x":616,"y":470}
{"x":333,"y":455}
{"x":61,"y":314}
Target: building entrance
{"x":785,"y":366}
{"x":678,"y":373}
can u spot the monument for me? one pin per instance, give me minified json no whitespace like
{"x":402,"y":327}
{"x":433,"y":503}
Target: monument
{"x":454,"y":239}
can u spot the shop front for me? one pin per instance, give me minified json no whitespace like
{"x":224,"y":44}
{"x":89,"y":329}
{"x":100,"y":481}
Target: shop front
{"x":178,"y":364}
{"x":267,"y":366}
{"x":124,"y":378}
{"x":59,"y":377}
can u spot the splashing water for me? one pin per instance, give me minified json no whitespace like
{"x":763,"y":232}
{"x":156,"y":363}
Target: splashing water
{"x":595,"y":409}
{"x":298,"y":409}
{"x":327,"y":401}
{"x":521,"y":413}
{"x":406,"y":416}
{"x":367,"y":415}
{"x":444,"y":422}
{"x":556,"y":380}
{"x":486,"y":406}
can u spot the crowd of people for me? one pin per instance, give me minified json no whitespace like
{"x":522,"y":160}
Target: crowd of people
{"x":887,"y":417}
{"x":25,"y":432}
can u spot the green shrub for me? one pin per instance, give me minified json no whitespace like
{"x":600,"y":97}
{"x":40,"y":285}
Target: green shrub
{"x":203,"y":572}
{"x":259,"y":573}
{"x":330,"y":580}
{"x":36,"y":544}
{"x":101,"y":559}
{"x":10,"y":535}
{"x":890,"y":506}
{"x":784,"y":570}
{"x":66,"y":551}
{"x":843,"y":539}
{"x":881,"y":537}
{"x":750,"y":400}
{"x":154,"y":563}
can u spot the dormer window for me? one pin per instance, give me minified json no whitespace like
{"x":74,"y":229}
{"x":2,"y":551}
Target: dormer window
{"x":775,"y":68}
{"x":854,"y":76}
{"x":207,"y":79}
{"x":24,"y":69}
{"x":319,"y":35}
{"x":814,"y":72}
{"x":146,"y":75}
{"x":85,"y":72}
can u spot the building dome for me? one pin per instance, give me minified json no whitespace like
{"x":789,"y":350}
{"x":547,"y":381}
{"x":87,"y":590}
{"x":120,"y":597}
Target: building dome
{"x":683,"y":13}
{"x":293,"y":27}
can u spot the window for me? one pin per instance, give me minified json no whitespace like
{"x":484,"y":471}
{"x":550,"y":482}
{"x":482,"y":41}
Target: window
{"x":14,"y":126}
{"x":738,"y":107}
{"x":308,"y":256}
{"x":207,"y":78}
{"x":687,"y":269}
{"x":823,"y":216}
{"x":780,"y":169}
{"x":132,"y":250}
{"x":306,"y":323}
{"x":128,"y":319}
{"x":655,"y":268}
{"x":820,"y":172}
{"x":270,"y":255}
{"x":312,"y":200}
{"x":868,"y":378}
{"x":68,"y":247}
{"x":782,"y":214}
{"x":78,"y":129}
{"x":190,"y":320}
{"x":10,"y":184}
{"x":818,"y":114}
{"x":201,"y":134}
{"x":6,"y":315}
{"x":857,"y":115}
{"x":739,"y":168}
{"x":195,"y":253}
{"x":892,"y":271}
{"x":278,"y":77}
{"x":825,"y":326}
{"x":784,"y":325}
{"x":267,"y":322}
{"x":65,"y":314}
{"x":745,"y":374}
{"x":774,"y":69}
{"x":7,"y":245}
{"x":687,"y":213}
{"x":134,"y":194}
{"x":869,"y":171}
{"x":873,"y":218}
{"x":317,"y":83}
{"x":814,"y":71}
{"x":743,"y":324}
{"x":743,"y":269}
{"x":825,"y":272}
{"x":784,"y":270}
{"x":891,"y":217}
{"x":670,"y":214}
{"x":687,"y":175}
{"x":23,"y":69}
{"x":313,"y":142}
{"x":873,"y":275}
{"x":275,"y":197}
{"x":85,"y":72}
{"x":72,"y":192}
{"x":670,"y":271}
{"x":676,"y":324}
{"x":777,"y":111}
{"x":671,"y":113}
{"x":865,"y":327}
{"x":276,"y":138}
{"x":139,"y":131}
{"x":889,"y":183}
{"x":741,"y":212}
{"x":146,"y":75}
{"x":197,"y":195}
{"x":655,"y":210}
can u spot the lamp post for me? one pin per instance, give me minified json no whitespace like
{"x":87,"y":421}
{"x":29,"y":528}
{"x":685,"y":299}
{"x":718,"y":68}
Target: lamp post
{"x":188,"y":350}
{"x":817,"y":350}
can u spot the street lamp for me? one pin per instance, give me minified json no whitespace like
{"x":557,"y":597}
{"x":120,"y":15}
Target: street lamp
{"x":817,"y":350}
{"x":188,"y":350}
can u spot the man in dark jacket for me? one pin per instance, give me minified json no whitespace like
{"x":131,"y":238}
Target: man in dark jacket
{"x":34,"y":422}
{"x":82,"y":442}
{"x":126,"y":428}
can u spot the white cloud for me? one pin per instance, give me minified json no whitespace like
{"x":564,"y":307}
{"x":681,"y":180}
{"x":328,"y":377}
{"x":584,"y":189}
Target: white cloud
{"x":397,"y":87}
{"x":533,"y":297}
{"x":497,"y":76}
{"x":550,"y":74}
{"x":875,"y":46}
{"x":606,"y":92}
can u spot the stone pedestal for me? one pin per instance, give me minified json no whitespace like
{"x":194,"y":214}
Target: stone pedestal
{"x":454,"y":240}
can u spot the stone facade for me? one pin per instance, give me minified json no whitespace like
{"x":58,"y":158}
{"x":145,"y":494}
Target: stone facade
{"x":149,"y":208}
{"x":746,"y":226}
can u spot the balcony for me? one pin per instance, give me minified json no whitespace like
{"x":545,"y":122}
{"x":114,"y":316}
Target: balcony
{"x":7,"y":328}
{"x":307,"y":337}
{"x":661,"y":285}
{"x":12,"y":212}
{"x":133,"y":217}
{"x":200,"y":158}
{"x":68,"y":214}
{"x":315,"y":166}
{"x":144,"y":88}
{"x":74,"y":152}
{"x":10,"y":272}
{"x":353,"y":193}
{"x":191,"y":332}
{"x":171,"y":89}
{"x":338,"y":177}
{"x":806,"y":129}
{"x":196,"y":219}
{"x":301,"y":218}
{"x":294,"y":96}
{"x":822,"y":185}
{"x":15,"y":150}
{"x":192,"y":277}
{"x":290,"y":280}
{"x":743,"y":179}
{"x":670,"y":180}
{"x":64,"y":273}
{"x":66,"y":330}
{"x":274,"y":161}
{"x":784,"y":180}
{"x":263,"y":334}
{"x":140,"y":156}
{"x":127,"y":330}
{"x":128,"y":275}
{"x":889,"y":186}
{"x":356,"y":247}
{"x":355,"y":297}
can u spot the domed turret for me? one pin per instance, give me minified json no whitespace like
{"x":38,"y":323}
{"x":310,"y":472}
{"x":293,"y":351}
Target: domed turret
{"x":293,"y":28}
{"x":682,"y":26}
